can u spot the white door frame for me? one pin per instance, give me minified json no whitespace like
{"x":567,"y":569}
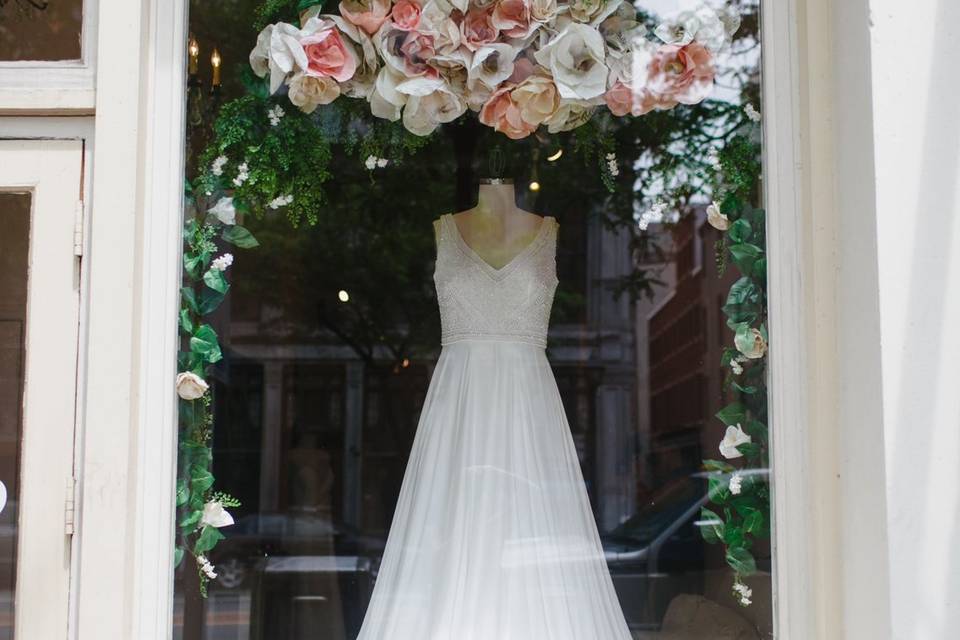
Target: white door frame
{"x":820,"y":344}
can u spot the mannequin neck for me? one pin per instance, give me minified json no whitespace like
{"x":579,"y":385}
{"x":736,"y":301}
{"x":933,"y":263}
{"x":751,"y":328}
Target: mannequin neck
{"x":496,"y":199}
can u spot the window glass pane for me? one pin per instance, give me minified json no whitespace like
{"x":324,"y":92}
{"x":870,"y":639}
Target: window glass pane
{"x":615,"y":479}
{"x":40,"y":29}
{"x":14,"y":246}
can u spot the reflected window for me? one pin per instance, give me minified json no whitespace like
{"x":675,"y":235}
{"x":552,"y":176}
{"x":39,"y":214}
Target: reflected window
{"x":44,"y":30}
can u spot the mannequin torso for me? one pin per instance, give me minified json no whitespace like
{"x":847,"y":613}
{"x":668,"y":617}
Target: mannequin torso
{"x":496,"y":229}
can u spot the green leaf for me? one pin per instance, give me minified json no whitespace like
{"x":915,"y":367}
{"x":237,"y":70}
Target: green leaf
{"x":741,"y":561}
{"x":200,"y":480}
{"x":711,"y":526}
{"x":745,"y":256}
{"x":733,"y":536}
{"x":745,"y":338}
{"x":240,"y":237}
{"x":186,"y":325}
{"x":210,"y":300}
{"x":190,"y":521}
{"x":743,"y":301}
{"x":753,"y":523}
{"x":204,"y":343}
{"x":178,"y":553}
{"x":208,"y":539}
{"x":740,"y":231}
{"x":751,"y":450}
{"x":749,"y":390}
{"x":192,"y":265}
{"x":306,"y":4}
{"x":215,"y":279}
{"x":718,"y":465}
{"x":732,"y":414}
{"x":183,"y":492}
{"x":189,"y":298}
{"x":759,"y":270}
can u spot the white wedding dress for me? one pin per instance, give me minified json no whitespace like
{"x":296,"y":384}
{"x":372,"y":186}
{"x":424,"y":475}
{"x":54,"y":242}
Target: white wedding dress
{"x":493,"y":537}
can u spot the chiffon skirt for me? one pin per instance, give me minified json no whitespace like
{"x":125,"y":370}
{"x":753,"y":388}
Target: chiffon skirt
{"x":493,"y":537}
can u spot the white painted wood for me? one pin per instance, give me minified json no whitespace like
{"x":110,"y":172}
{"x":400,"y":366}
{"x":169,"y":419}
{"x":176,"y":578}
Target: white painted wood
{"x":55,"y":87}
{"x":159,"y":289}
{"x":51,"y":171}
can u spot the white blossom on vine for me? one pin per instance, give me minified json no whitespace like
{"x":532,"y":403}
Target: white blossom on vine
{"x":206,"y":567}
{"x":612,"y":164}
{"x":373,"y":162}
{"x":217,"y":167}
{"x":742,"y":593}
{"x":275,"y":114}
{"x":736,"y":484}
{"x":280,"y":201}
{"x":221,"y":263}
{"x":752,"y":113}
{"x":243,"y":174}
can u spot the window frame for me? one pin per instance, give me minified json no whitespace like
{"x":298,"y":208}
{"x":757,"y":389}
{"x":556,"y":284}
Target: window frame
{"x":54,"y":86}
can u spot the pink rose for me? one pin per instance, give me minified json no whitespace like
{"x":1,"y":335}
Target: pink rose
{"x":503,"y":114}
{"x":406,"y":15}
{"x":522,"y":69}
{"x":478,"y":29}
{"x":417,"y":49}
{"x":328,"y":56}
{"x":619,"y":99}
{"x":366,"y":14}
{"x":512,"y":18}
{"x":681,"y":74}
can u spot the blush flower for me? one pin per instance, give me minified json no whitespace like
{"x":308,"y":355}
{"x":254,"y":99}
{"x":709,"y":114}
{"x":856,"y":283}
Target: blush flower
{"x":366,"y":14}
{"x":309,"y":92}
{"x":406,"y":15}
{"x":680,"y":74}
{"x":477,"y":29}
{"x":503,"y":114}
{"x":513,"y":18}
{"x":328,"y":56}
{"x":537,"y":98}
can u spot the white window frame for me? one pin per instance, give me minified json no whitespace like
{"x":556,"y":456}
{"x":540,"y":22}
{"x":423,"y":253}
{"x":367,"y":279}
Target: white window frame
{"x":54,"y":87}
{"x":826,"y":560}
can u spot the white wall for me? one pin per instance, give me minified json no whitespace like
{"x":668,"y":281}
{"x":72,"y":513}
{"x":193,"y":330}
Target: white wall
{"x":916,"y":96}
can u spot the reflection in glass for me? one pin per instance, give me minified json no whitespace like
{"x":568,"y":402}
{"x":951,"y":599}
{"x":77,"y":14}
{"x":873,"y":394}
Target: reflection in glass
{"x":40,"y":30}
{"x":331,"y":336}
{"x":14,"y":246}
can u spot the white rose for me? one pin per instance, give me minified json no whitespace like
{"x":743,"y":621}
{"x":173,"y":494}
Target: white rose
{"x":492,"y":64}
{"x":593,"y":11}
{"x":423,"y":114}
{"x":214,"y":515}
{"x":734,"y":437}
{"x":385,"y":101}
{"x":225,"y":211}
{"x":679,"y":29}
{"x":436,"y":22}
{"x":309,"y":92}
{"x":750,"y":343}
{"x":286,"y":54}
{"x":543,"y":11}
{"x":568,"y":116}
{"x":575,"y":57}
{"x":260,"y":56}
{"x":716,"y":219}
{"x":190,"y":386}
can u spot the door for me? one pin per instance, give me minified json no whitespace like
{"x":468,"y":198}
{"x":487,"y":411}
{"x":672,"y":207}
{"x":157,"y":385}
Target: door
{"x":40,"y":183}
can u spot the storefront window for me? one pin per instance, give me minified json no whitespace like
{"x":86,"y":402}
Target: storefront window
{"x":600,"y":475}
{"x":47,"y":30}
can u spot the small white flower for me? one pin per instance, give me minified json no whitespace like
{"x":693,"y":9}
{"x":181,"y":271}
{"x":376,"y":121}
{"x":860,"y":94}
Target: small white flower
{"x":734,"y":437}
{"x":214,"y":515}
{"x":190,"y":386}
{"x":206,"y":567}
{"x":217,"y":167}
{"x":225,"y":211}
{"x":736,"y":367}
{"x":243,"y":173}
{"x":280,"y":201}
{"x":742,"y":593}
{"x":371,"y":163}
{"x":752,"y":113}
{"x":221,"y":263}
{"x":717,"y":219}
{"x":736,"y":484}
{"x":382,"y":162}
{"x":275,"y":114}
{"x":657,"y":215}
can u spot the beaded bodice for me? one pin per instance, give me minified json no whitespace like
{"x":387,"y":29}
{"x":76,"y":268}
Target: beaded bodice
{"x":480,"y":302}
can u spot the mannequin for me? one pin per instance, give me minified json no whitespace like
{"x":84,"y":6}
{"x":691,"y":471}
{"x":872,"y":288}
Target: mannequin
{"x":496,"y":229}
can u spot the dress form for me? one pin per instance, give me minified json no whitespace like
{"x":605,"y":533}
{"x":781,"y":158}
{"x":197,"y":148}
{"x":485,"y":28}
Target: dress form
{"x":496,"y":229}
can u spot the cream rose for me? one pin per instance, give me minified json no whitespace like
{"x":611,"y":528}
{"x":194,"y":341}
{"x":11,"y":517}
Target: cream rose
{"x":717,"y":219}
{"x":568,"y":116}
{"x":492,"y":64}
{"x":190,"y":386}
{"x":592,"y":11}
{"x":214,"y":515}
{"x":575,"y":58}
{"x":750,"y":343}
{"x":502,"y":113}
{"x":537,"y":99}
{"x":309,"y":92}
{"x":423,"y":114}
{"x":366,"y":14}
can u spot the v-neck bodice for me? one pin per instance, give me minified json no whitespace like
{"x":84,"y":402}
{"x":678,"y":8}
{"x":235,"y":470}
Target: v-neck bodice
{"x":481,"y":302}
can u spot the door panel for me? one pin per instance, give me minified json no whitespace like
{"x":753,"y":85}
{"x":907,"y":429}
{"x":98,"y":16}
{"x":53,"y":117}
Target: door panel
{"x":39,"y":314}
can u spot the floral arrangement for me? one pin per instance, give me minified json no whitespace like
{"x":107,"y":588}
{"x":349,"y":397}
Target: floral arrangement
{"x":519,"y":64}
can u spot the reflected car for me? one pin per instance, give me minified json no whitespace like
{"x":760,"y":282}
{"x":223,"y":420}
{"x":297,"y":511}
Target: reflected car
{"x":659,"y":553}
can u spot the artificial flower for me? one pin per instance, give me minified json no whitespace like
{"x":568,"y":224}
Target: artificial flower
{"x":218,"y":164}
{"x":435,"y":22}
{"x":423,"y":114}
{"x":592,"y":11}
{"x":285,"y":54}
{"x":492,"y":64}
{"x":280,"y":201}
{"x":751,"y":113}
{"x":260,"y":55}
{"x":736,"y":484}
{"x":328,"y":56}
{"x":477,"y":29}
{"x":221,"y":263}
{"x":543,"y":11}
{"x":214,"y":515}
{"x":365,"y":14}
{"x":537,"y":98}
{"x":309,"y":91}
{"x":385,"y":101}
{"x":502,"y":113}
{"x":743,"y":593}
{"x":568,"y":116}
{"x":750,"y":343}
{"x":717,"y":219}
{"x":406,"y":15}
{"x":190,"y":386}
{"x":734,"y":437}
{"x":225,"y":211}
{"x":575,"y":58}
{"x":513,"y":18}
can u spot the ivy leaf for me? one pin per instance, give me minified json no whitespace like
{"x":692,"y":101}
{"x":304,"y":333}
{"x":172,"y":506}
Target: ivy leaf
{"x":190,"y":521}
{"x":208,"y":539}
{"x":759,"y":270}
{"x":718,"y":465}
{"x":745,"y":256}
{"x":192,"y":265}
{"x":740,"y":231}
{"x":749,"y":390}
{"x":753,"y":523}
{"x":186,"y":325}
{"x":711,"y":526}
{"x":210,"y":300}
{"x":215,"y":279}
{"x":733,"y":536}
{"x":200,"y":480}
{"x":189,"y":298}
{"x":183,"y":492}
{"x":204,"y":343}
{"x":741,"y":561}
{"x":732,"y":414}
{"x":717,"y":490}
{"x":240,"y":237}
{"x":743,"y":301}
{"x":178,"y":553}
{"x":751,"y":450}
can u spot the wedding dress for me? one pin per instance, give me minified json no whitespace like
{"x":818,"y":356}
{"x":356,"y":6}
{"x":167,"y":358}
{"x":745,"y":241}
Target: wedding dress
{"x":493,"y":537}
